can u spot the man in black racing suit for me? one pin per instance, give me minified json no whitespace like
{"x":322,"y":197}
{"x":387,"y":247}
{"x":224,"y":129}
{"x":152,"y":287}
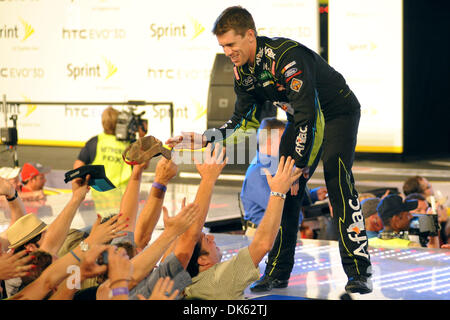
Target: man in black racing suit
{"x":323,"y":116}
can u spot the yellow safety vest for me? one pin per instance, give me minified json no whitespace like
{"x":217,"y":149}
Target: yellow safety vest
{"x":109,"y":153}
{"x":389,"y":243}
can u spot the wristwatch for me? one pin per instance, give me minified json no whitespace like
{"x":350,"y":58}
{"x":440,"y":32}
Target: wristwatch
{"x":278,"y":194}
{"x":84,"y":246}
{"x":117,"y":292}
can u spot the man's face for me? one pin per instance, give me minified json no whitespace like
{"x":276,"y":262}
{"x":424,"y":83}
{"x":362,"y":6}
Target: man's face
{"x":403,"y":221}
{"x":209,"y":245}
{"x":240,"y":49}
{"x":37,"y":183}
{"x":427,"y":190}
{"x":422,"y":207}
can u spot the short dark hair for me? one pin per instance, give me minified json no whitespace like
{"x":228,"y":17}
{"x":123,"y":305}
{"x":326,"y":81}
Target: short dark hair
{"x":41,"y":260}
{"x":234,"y":18}
{"x":412,"y":185}
{"x":193,"y":267}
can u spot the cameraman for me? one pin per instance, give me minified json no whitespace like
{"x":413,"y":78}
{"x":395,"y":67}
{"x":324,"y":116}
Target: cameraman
{"x":424,"y":208}
{"x":105,"y":149}
{"x":396,"y":215}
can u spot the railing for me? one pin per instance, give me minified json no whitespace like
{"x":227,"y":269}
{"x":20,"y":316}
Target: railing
{"x":13,"y":147}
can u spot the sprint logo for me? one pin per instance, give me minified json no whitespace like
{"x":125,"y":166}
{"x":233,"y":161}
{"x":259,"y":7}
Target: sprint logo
{"x":30,"y":107}
{"x":111,"y":68}
{"x":198,"y":28}
{"x":190,"y":31}
{"x":17,"y":32}
{"x":92,"y":71}
{"x":29,"y":30}
{"x":200,"y":110}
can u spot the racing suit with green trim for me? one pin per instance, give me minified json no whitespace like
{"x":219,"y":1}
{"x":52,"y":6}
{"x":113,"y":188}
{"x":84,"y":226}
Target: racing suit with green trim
{"x":323,"y":117}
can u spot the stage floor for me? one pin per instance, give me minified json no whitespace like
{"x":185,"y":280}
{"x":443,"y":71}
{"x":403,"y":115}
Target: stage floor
{"x":401,"y":274}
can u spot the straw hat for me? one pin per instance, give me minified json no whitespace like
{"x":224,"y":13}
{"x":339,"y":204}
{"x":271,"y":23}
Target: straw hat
{"x":144,"y":149}
{"x":24,"y":229}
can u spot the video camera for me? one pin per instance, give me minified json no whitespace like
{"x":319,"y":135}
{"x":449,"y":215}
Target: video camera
{"x":425,"y":225}
{"x":128,"y":124}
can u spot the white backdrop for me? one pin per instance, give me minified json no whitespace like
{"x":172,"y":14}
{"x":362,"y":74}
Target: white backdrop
{"x":115,"y":51}
{"x":366,"y":46}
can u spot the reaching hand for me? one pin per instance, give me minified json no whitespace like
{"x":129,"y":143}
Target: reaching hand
{"x":187,"y":140}
{"x":102,"y":233}
{"x":6,"y":188}
{"x":212,"y":164}
{"x":162,"y":290}
{"x":322,"y":193}
{"x":165,"y":171}
{"x":80,"y":187}
{"x":89,"y":267}
{"x":14,"y":265}
{"x":182,"y":221}
{"x":284,"y":177}
{"x":119,"y":264}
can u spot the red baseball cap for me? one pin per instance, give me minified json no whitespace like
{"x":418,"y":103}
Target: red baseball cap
{"x":30,"y":170}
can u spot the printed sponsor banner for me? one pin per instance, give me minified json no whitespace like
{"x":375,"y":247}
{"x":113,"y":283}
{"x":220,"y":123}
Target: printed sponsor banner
{"x":365,"y":45}
{"x":115,"y":51}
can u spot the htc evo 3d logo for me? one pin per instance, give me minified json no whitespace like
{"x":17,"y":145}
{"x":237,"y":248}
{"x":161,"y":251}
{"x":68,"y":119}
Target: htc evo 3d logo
{"x":192,"y":30}
{"x":105,"y":70}
{"x":354,"y":230}
{"x":17,"y":32}
{"x":300,"y":141}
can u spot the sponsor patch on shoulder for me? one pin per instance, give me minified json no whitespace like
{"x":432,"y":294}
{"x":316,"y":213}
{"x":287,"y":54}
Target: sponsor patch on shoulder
{"x":296,"y":84}
{"x":290,"y":72}
{"x":290,"y":64}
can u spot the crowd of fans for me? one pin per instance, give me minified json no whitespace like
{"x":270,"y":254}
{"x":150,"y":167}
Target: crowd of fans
{"x":117,"y":260}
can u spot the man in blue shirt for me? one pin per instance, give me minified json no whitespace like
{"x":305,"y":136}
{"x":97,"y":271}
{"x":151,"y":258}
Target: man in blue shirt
{"x":255,"y":190}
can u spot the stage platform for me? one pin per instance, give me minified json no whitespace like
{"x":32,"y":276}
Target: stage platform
{"x":400,"y":274}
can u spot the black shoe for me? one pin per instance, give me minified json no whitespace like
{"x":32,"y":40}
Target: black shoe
{"x":359,"y":284}
{"x":266,"y":283}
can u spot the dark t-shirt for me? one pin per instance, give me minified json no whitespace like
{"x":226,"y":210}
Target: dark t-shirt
{"x":89,"y":151}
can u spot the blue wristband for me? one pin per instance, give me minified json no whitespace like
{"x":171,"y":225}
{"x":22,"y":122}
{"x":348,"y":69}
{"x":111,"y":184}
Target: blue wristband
{"x":118,"y":292}
{"x":76,"y":257}
{"x":159,"y":186}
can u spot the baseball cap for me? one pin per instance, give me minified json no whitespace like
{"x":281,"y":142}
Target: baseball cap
{"x":145,"y":149}
{"x":369,"y":206}
{"x":393,"y":205}
{"x":32,"y":169}
{"x":99,"y":181}
{"x":24,"y":229}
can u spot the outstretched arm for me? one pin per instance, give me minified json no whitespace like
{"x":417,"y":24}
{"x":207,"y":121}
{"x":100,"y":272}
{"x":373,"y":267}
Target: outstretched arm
{"x":58,"y":229}
{"x":130,"y":199}
{"x":149,"y":216}
{"x":57,"y":271}
{"x":209,"y":170}
{"x":144,"y":262}
{"x":268,"y":228}
{"x":16,"y":206}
